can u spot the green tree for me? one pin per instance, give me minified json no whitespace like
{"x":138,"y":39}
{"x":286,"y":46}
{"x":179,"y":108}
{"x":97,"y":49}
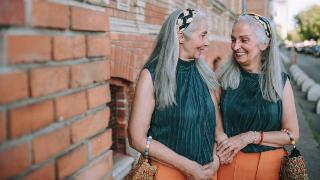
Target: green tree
{"x":295,"y":36}
{"x":309,"y":23}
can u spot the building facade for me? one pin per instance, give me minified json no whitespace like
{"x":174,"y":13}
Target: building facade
{"x":67,"y":77}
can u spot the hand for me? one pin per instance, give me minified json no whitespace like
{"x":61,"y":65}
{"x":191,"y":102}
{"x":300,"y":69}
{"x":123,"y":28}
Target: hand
{"x":221,"y":137}
{"x":226,"y":159}
{"x":213,"y":166}
{"x":228,"y":148}
{"x":195,"y":171}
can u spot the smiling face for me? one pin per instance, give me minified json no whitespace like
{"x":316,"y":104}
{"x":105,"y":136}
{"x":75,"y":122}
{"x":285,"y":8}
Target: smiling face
{"x":192,"y":47}
{"x":246,"y":47}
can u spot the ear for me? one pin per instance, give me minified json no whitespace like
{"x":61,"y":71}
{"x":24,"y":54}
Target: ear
{"x":265,"y":45}
{"x":180,"y":37}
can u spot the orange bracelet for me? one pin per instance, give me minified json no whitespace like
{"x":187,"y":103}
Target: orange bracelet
{"x":261,"y":137}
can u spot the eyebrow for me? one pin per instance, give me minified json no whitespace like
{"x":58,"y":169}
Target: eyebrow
{"x":205,"y":32}
{"x":243,"y":36}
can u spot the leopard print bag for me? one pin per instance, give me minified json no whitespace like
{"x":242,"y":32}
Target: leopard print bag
{"x":143,"y":170}
{"x":293,"y":166}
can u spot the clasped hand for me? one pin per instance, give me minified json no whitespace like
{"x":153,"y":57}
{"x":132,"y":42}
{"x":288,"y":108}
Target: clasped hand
{"x":228,"y":148}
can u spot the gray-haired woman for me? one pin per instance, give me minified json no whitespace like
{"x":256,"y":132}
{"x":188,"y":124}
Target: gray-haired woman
{"x":257,"y":104}
{"x":174,"y":103}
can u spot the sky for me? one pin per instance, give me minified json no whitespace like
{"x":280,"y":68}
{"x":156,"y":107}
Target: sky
{"x":295,"y":6}
{"x":285,"y":10}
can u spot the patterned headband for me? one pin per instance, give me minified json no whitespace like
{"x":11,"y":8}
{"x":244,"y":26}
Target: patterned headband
{"x":265,"y":23}
{"x":184,"y":19}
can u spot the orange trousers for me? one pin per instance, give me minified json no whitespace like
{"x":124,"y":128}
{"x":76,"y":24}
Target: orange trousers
{"x":167,"y":172}
{"x":253,"y":166}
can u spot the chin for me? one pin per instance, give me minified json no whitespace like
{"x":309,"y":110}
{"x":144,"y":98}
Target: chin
{"x":240,"y":60}
{"x":197,"y":55}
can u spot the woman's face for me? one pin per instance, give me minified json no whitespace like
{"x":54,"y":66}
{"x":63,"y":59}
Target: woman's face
{"x":245,"y":45}
{"x":193,"y":46}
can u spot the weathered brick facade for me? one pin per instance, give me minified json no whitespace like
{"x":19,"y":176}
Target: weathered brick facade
{"x":67,"y":75}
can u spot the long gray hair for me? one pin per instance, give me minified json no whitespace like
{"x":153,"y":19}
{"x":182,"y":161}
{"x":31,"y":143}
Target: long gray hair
{"x":166,"y":53}
{"x":270,"y":79}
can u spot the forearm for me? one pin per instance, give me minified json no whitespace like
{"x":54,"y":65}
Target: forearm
{"x":276,"y":139}
{"x":270,"y":138}
{"x":216,"y":160}
{"x":164,"y":154}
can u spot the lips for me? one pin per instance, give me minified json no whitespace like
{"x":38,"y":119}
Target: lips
{"x":239,"y":54}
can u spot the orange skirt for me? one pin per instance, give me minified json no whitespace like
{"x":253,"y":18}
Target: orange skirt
{"x":253,"y":166}
{"x":167,"y":172}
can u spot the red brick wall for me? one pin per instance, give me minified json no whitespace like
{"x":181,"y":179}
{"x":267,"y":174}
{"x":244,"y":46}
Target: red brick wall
{"x":260,"y":7}
{"x":54,"y":86}
{"x":58,"y":60}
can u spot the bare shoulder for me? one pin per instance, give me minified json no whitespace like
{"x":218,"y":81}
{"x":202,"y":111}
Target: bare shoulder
{"x":145,"y":81}
{"x":287,"y":88}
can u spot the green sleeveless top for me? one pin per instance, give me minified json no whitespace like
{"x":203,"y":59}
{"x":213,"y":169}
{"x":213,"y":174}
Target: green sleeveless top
{"x":244,"y":109}
{"x":188,"y":127}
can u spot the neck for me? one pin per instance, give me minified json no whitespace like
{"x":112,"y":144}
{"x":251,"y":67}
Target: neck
{"x":253,"y":67}
{"x":183,"y":55}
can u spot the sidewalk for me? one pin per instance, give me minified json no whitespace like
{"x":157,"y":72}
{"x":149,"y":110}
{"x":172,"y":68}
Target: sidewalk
{"x":309,"y":123}
{"x":307,"y":144}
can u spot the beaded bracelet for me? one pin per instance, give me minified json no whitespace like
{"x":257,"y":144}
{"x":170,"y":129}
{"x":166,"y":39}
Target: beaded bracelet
{"x":292,"y":141}
{"x":146,"y":149}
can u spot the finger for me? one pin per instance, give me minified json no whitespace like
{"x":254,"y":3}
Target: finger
{"x":226,"y":151}
{"x":223,"y":147}
{"x":221,"y":144}
{"x":230,"y":159}
{"x":208,"y":173}
{"x":208,"y":165}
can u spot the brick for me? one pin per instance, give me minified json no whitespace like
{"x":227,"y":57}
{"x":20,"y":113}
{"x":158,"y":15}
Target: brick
{"x":48,"y":80}
{"x":97,"y":169}
{"x":68,"y":47}
{"x":71,"y":162}
{"x":27,"y":119}
{"x":48,"y":14}
{"x":98,"y":96}
{"x":18,"y":83}
{"x":84,"y":74}
{"x":45,"y":172}
{"x":90,"y":125}
{"x":77,"y":101}
{"x":50,"y":144}
{"x":14,"y":160}
{"x":79,"y":47}
{"x":12,"y":12}
{"x":101,"y":143}
{"x":28,"y":48}
{"x":2,"y":128}
{"x":89,"y":20}
{"x":98,"y":46}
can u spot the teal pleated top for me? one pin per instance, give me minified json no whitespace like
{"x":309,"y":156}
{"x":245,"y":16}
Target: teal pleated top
{"x":244,"y":109}
{"x":188,"y":127}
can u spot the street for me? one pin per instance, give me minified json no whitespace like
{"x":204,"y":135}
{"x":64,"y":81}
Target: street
{"x":309,"y":64}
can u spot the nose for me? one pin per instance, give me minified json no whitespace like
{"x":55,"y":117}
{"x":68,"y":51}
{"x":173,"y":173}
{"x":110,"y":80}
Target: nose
{"x":235,"y":45}
{"x":206,"y":42}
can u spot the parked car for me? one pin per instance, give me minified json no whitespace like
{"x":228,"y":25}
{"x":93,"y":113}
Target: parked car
{"x":316,"y":51}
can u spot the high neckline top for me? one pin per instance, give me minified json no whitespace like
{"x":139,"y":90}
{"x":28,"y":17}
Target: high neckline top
{"x":188,"y":127}
{"x":244,"y":109}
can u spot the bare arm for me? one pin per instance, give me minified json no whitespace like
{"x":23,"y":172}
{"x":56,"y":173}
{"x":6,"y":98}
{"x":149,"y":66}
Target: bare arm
{"x":289,"y":121}
{"x":142,"y":109}
{"x":219,"y":135}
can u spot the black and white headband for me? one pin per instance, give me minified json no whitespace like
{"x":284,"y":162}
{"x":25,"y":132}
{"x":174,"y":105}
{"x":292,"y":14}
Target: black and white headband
{"x":184,"y":19}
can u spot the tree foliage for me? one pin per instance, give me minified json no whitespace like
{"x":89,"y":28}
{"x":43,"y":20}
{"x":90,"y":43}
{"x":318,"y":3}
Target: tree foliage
{"x":309,"y":23}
